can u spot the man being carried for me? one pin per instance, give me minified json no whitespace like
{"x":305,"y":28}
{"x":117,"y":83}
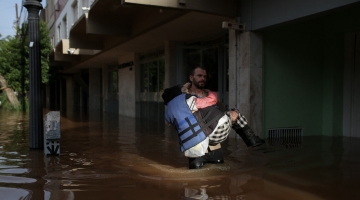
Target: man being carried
{"x":200,"y":124}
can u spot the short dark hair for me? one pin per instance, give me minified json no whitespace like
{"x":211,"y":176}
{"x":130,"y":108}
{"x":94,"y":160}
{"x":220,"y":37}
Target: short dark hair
{"x":192,"y":70}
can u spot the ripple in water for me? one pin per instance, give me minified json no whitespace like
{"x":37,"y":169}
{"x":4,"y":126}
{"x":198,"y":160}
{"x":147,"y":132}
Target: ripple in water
{"x":14,"y":171}
{"x":14,"y":179}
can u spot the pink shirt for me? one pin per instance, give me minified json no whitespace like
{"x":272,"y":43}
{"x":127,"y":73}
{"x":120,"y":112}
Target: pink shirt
{"x":210,"y":100}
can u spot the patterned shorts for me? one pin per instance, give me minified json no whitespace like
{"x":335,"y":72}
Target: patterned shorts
{"x":223,"y":129}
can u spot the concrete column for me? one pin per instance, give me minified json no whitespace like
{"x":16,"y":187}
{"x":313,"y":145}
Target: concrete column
{"x":95,"y":94}
{"x":69,"y":96}
{"x":245,"y":76}
{"x":78,"y":105}
{"x":233,"y":68}
{"x":63,"y":95}
{"x":127,"y":82}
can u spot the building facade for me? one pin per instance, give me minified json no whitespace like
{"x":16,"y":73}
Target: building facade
{"x":295,"y":63}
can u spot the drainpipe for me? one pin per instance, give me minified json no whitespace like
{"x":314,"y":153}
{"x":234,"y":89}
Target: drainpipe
{"x":36,"y":136}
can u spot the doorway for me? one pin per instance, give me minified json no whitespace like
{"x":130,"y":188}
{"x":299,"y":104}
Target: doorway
{"x":214,"y":56}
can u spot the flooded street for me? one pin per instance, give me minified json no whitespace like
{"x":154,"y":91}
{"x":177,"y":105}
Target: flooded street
{"x":125,"y":158}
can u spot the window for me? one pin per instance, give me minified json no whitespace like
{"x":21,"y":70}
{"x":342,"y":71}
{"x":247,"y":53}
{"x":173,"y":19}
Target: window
{"x":152,"y":80}
{"x":152,"y":77}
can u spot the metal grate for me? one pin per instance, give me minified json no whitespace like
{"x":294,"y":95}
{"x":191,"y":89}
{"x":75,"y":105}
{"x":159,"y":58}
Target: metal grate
{"x":288,"y":137}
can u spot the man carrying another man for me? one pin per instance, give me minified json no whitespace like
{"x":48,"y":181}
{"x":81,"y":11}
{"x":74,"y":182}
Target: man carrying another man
{"x":200,"y":124}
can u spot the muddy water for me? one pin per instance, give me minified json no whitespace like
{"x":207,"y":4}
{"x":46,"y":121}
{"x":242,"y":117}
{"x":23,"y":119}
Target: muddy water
{"x":124,"y":158}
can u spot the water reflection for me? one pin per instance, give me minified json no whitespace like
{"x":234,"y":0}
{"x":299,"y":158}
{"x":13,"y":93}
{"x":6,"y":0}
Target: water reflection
{"x":14,"y":193}
{"x":125,"y":158}
{"x":195,"y":194}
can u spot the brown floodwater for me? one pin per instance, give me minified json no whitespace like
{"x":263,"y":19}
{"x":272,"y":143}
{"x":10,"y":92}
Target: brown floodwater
{"x":124,"y":158}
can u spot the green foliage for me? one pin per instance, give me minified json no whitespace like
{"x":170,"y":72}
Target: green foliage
{"x":9,"y":61}
{"x":14,"y":58}
{"x":45,"y":48}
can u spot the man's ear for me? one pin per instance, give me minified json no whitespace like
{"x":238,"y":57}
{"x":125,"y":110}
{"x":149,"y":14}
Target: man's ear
{"x":191,"y":78}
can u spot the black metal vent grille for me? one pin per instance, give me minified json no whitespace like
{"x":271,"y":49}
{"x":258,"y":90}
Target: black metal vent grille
{"x":287,"y":137}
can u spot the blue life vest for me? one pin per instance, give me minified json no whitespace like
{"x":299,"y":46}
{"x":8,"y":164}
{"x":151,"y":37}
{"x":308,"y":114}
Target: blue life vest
{"x":192,"y":128}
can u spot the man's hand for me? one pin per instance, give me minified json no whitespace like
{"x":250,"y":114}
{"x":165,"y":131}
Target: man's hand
{"x":185,"y":88}
{"x":234,"y":114}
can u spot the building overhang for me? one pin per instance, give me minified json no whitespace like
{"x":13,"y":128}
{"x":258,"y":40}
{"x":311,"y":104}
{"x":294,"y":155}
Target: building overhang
{"x":80,"y":39}
{"x":226,"y":8}
{"x":60,"y":52}
{"x":111,"y":29}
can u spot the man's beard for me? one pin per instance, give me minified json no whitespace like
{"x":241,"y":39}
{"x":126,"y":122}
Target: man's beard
{"x":197,"y":84}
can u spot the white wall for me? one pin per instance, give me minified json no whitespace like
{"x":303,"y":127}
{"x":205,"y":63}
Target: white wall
{"x":68,"y":13}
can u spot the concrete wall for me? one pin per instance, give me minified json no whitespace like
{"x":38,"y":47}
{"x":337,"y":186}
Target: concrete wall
{"x":49,"y":12}
{"x":127,"y":87}
{"x":304,"y":78}
{"x":258,"y":14}
{"x":293,"y":81}
{"x":351,"y":100}
{"x":66,"y":11}
{"x":332,"y":85}
{"x":303,"y":81}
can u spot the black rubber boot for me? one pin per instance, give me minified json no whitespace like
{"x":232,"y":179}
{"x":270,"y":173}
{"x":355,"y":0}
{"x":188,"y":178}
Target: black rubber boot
{"x":214,"y":157}
{"x":196,"y":163}
{"x":248,"y":136}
